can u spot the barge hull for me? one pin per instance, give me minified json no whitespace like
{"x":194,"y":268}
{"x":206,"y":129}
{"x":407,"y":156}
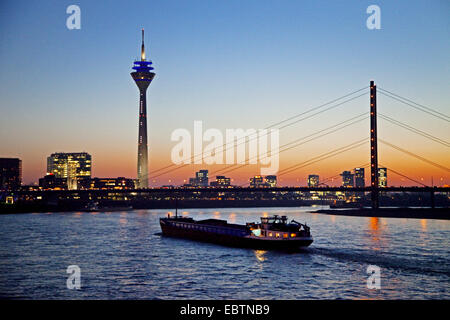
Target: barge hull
{"x":234,"y":241}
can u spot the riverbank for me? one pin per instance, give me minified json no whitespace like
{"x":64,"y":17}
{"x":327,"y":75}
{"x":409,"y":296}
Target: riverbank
{"x":413,"y":213}
{"x":73,"y":205}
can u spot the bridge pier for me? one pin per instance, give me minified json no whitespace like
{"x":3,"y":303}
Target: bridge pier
{"x":432,"y":199}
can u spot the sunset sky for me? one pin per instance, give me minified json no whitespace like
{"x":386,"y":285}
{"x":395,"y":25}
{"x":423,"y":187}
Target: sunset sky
{"x":231,"y":64}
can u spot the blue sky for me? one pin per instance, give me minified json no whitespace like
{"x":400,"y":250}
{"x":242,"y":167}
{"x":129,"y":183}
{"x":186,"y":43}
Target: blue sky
{"x":229,"y":63}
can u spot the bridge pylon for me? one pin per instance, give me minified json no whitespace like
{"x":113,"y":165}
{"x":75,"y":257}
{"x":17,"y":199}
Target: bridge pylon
{"x":373,"y":146}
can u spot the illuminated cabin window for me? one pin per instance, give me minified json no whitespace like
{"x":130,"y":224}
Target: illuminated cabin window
{"x":277,"y":235}
{"x":285,"y":235}
{"x":270,"y":234}
{"x":257,"y":232}
{"x":293,"y":235}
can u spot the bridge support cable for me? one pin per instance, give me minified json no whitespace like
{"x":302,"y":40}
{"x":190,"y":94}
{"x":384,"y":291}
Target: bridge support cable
{"x":322,"y":157}
{"x":298,"y":142}
{"x":417,"y":131}
{"x":404,"y":176}
{"x":415,"y":155}
{"x":434,"y":113}
{"x":432,"y":110}
{"x":177,"y":166}
{"x":324,"y":181}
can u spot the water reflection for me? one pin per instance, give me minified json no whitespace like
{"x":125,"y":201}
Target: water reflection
{"x":141,"y":213}
{"x":232,"y":217}
{"x":123,"y":218}
{"x":333,"y":219}
{"x":376,"y":230}
{"x":216,"y":215}
{"x":424,"y":234}
{"x":423,"y":224}
{"x":260,"y":255}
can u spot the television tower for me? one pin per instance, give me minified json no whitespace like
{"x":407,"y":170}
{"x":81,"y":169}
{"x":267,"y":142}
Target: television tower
{"x":142,"y":76}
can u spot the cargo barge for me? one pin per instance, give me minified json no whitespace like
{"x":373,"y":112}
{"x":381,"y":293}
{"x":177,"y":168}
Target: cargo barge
{"x":271,"y":233}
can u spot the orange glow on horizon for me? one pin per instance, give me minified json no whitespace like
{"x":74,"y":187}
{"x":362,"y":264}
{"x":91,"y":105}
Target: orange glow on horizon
{"x":123,"y":164}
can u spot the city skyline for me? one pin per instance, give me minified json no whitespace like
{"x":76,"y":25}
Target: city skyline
{"x":103,"y":116}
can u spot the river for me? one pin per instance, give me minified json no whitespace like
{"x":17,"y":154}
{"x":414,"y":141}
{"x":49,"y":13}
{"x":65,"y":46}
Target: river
{"x":121,"y":255}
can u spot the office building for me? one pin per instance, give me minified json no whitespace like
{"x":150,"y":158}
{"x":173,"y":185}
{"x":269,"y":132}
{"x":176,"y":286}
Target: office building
{"x":359,"y":177}
{"x":193,"y":182}
{"x":112,"y":183}
{"x":63,"y":165}
{"x":257,"y":182}
{"x":10,"y":173}
{"x":271,"y":181}
{"x":72,"y":167}
{"x":202,"y":178}
{"x":50,"y":181}
{"x":313,"y":180}
{"x":382,"y":177}
{"x":221,"y":181}
{"x":347,"y":179}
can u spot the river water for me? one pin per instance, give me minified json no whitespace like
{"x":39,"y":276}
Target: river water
{"x":122,"y":256}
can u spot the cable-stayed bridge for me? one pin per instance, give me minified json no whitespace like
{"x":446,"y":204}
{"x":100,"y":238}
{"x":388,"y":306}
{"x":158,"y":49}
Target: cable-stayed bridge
{"x":372,"y":163}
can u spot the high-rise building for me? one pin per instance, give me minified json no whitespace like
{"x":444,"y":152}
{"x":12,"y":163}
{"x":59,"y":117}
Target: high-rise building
{"x":10,"y":173}
{"x":73,"y":167}
{"x":359,"y":177}
{"x":313,"y":180}
{"x":257,"y":182}
{"x":193,"y":182}
{"x":111,"y":183}
{"x":271,"y":181}
{"x":221,"y":181}
{"x":51,"y":182}
{"x":202,"y":178}
{"x":347,"y":179}
{"x":382,"y":177}
{"x":143,"y":77}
